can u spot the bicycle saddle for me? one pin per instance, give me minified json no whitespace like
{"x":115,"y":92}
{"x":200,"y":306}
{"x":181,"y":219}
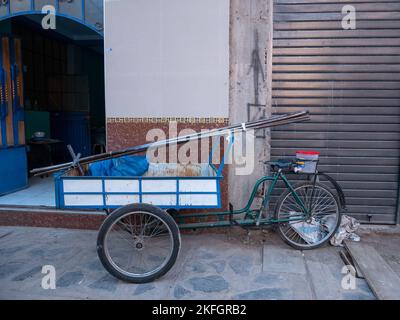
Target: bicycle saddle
{"x":284,"y":164}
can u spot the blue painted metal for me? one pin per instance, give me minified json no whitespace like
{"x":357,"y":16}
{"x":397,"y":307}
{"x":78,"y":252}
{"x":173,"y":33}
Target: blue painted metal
{"x":18,"y":110}
{"x":58,"y":13}
{"x":3,"y":101}
{"x":71,"y":128}
{"x":218,"y":170}
{"x":60,"y":191}
{"x":13,"y":169}
{"x":60,"y":178}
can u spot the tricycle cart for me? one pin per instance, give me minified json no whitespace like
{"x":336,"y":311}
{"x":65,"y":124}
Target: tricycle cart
{"x":139,"y":240}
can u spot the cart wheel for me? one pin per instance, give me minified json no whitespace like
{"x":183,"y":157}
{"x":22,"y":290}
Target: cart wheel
{"x":138,"y":243}
{"x":317,"y":229}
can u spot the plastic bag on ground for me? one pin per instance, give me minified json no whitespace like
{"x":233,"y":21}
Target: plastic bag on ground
{"x":346,"y":230}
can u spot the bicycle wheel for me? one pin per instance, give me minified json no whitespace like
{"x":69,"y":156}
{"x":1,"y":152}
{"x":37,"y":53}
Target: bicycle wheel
{"x":138,"y":243}
{"x":319,"y":227}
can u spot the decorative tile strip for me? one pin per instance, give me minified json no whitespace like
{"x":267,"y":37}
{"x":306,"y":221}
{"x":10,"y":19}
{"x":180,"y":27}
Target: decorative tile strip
{"x":168,"y":119}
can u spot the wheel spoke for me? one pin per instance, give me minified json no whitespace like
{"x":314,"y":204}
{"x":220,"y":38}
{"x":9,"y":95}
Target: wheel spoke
{"x":138,"y":244}
{"x":316,"y":229}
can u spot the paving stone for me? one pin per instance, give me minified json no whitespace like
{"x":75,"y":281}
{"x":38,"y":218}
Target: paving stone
{"x":325,"y":283}
{"x":71,"y":250}
{"x":241,"y":264}
{"x":357,"y":295}
{"x":281,"y":260}
{"x":206,"y":255}
{"x":198,"y":267}
{"x":180,"y":292}
{"x":28,"y":274}
{"x":70,"y":278}
{"x":219,"y":265}
{"x":10,"y":251}
{"x":363,"y":286}
{"x":5,"y":234}
{"x":9,"y":268}
{"x":268,"y":279}
{"x":95,"y":265}
{"x":142,"y":288}
{"x":264,"y":294}
{"x":209,"y":284}
{"x":107,"y":283}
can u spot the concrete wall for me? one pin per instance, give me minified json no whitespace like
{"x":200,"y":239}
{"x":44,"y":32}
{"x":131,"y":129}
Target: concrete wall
{"x":250,"y":83}
{"x":167,"y":58}
{"x":191,"y":60}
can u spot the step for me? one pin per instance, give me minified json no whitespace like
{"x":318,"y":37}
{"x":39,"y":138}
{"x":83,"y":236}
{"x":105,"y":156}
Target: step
{"x":381,"y":278}
{"x":48,"y":217}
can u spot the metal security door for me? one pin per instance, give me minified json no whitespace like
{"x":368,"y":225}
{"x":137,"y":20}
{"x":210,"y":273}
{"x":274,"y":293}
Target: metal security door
{"x":350,"y":82}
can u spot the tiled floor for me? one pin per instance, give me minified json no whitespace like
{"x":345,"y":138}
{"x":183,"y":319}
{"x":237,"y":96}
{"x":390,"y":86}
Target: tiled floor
{"x":210,"y":266}
{"x":39,"y":193}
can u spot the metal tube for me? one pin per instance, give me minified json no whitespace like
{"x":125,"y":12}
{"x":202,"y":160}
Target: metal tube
{"x":258,"y":124}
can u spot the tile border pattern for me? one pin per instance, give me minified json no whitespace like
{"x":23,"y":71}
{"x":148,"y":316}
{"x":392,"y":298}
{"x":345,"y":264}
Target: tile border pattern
{"x":188,"y":120}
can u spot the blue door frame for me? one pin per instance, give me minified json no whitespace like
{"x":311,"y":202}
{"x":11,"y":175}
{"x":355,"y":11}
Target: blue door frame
{"x":84,"y":18}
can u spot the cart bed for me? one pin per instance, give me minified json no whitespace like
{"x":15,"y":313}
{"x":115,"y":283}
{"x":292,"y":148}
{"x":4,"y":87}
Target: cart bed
{"x":164,"y":185}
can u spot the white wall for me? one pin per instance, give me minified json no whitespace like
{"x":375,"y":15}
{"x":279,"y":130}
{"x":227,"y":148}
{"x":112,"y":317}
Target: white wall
{"x":167,"y":58}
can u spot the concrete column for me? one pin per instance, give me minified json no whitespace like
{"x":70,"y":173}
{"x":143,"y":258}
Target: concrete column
{"x":250,"y":82}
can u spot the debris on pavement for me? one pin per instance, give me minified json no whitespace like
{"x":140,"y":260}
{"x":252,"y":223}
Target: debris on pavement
{"x":346,"y":231}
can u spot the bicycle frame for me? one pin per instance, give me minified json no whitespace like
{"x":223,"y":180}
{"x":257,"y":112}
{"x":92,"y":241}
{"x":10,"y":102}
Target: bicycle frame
{"x":257,"y":213}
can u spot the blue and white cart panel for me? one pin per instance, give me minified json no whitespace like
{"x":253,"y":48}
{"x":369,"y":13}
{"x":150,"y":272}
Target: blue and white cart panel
{"x":164,"y":185}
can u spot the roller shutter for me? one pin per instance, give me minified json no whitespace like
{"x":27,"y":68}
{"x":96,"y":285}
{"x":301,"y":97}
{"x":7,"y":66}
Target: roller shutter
{"x":350,"y":82}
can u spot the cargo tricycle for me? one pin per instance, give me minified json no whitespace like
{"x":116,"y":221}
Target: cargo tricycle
{"x":139,"y":240}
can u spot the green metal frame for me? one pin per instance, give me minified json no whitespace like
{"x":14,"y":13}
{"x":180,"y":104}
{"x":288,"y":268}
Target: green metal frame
{"x":256,"y":214}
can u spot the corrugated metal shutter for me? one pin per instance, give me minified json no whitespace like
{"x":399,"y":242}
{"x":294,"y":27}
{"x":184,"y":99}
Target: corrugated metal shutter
{"x":350,"y":82}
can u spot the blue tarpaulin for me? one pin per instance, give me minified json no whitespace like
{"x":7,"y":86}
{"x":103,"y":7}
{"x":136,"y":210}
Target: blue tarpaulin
{"x":124,"y":166}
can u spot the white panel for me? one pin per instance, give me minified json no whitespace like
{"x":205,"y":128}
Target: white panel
{"x":82,"y":185}
{"x":197,"y":185}
{"x":158,"y":185}
{"x":121,"y":199}
{"x":167,"y":58}
{"x":160,"y":199}
{"x":198,"y":200}
{"x":121,"y":185}
{"x":83,"y":200}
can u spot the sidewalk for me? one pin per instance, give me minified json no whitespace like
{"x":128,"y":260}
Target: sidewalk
{"x":210,"y":266}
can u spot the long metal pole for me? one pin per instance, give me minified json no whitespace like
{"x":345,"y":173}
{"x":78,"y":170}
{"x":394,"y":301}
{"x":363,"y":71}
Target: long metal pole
{"x":258,"y":124}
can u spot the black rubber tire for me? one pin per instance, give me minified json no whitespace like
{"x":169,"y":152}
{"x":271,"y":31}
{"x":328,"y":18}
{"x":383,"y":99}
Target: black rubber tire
{"x":278,"y":229}
{"x":162,"y":215}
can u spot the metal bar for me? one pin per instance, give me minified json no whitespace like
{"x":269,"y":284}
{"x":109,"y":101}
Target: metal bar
{"x":226,"y":153}
{"x":227,"y":223}
{"x":264,"y":123}
{"x":294,"y":193}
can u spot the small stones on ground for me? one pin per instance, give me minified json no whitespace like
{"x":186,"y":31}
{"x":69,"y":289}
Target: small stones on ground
{"x":209,"y":284}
